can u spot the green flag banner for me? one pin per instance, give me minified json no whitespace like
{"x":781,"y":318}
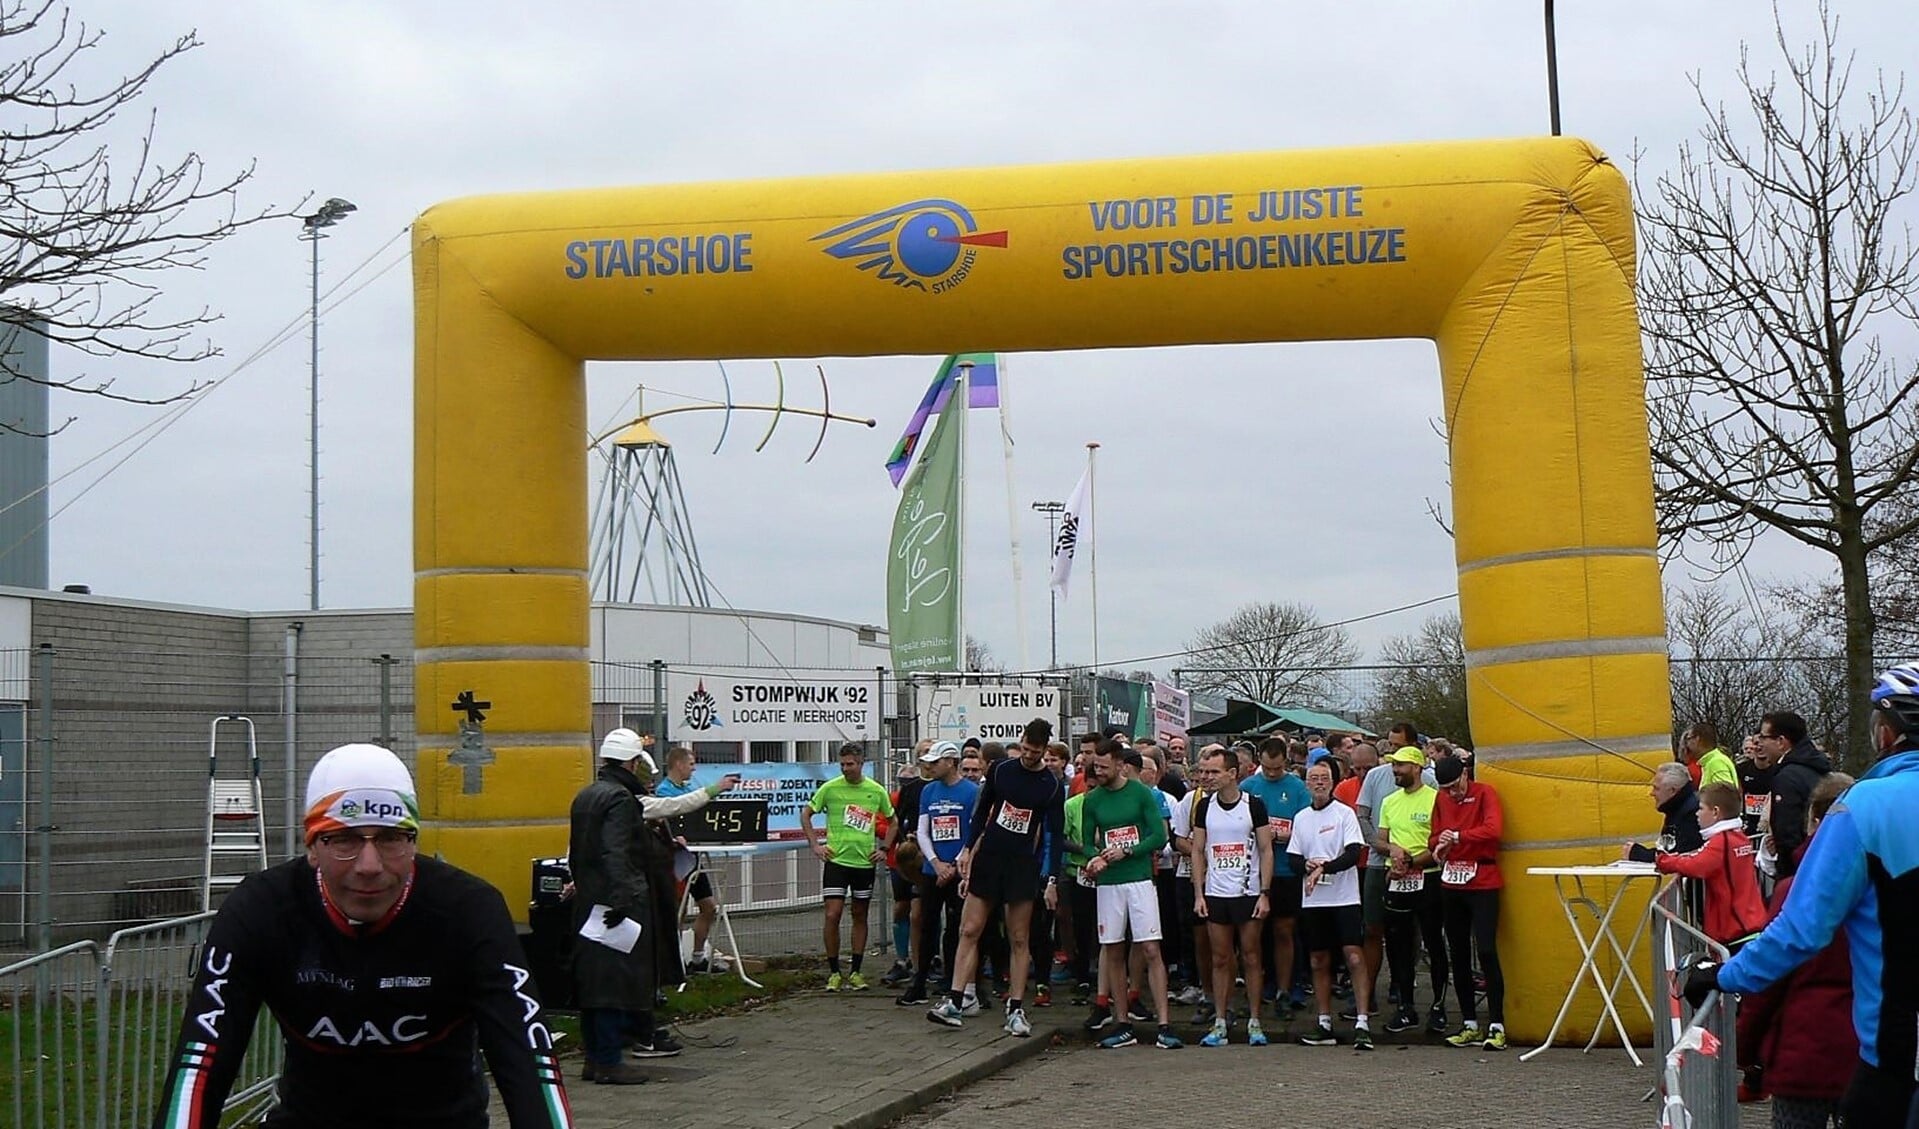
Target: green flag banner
{"x":923,"y":568}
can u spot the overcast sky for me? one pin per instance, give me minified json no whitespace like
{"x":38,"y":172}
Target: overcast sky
{"x":1228,"y":474}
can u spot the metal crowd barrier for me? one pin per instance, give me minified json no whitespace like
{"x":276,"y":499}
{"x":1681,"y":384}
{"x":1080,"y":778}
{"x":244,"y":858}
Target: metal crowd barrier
{"x":91,"y":1030}
{"x":1699,"y":1078}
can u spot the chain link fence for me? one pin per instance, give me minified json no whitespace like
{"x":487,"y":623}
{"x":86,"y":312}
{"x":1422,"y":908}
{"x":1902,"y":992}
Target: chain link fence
{"x":105,"y":753}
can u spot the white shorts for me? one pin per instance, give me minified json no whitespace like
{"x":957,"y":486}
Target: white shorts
{"x":1134,"y":904}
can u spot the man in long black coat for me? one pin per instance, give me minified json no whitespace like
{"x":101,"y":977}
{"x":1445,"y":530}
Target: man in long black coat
{"x":622,"y":860}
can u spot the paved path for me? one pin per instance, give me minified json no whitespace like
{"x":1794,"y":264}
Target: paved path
{"x":1408,"y":1086}
{"x":813,"y":1060}
{"x":817,"y":1061}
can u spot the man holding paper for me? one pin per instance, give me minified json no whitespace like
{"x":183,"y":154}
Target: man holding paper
{"x":625,"y":906}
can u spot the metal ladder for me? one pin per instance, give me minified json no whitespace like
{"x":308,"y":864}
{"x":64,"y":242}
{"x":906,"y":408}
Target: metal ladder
{"x":236,"y":843}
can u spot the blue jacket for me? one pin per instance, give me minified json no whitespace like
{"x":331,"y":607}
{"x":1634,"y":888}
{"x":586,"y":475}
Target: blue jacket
{"x":1861,"y":872}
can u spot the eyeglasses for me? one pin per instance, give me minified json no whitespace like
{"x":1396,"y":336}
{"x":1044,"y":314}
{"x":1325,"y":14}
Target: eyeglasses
{"x":344,"y":846}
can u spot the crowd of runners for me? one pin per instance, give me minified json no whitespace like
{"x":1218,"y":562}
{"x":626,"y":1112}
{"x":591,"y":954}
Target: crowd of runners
{"x":1255,"y":880}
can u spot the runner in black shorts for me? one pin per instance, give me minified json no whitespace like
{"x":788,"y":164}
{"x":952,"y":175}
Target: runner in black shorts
{"x":1232,"y":858}
{"x":1013,"y":852}
{"x":903,"y":867}
{"x":854,"y":807}
{"x":1327,"y":844}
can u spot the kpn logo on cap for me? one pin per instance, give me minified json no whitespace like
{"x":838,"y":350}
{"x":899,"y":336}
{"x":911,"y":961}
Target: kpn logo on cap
{"x":372,"y":807}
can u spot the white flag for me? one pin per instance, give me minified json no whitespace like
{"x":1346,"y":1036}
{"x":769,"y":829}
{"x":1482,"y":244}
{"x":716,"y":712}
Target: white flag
{"x":1067,"y":542}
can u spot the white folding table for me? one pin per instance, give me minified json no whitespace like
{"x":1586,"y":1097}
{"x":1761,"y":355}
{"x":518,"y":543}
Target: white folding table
{"x":1570,"y":882}
{"x":701,"y":852}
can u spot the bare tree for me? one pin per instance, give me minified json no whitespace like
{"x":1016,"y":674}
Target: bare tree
{"x":1774,"y":271}
{"x":980,"y":657}
{"x":1426,"y":684}
{"x":1895,"y":582}
{"x":1724,"y":668}
{"x":1736,"y":657}
{"x":1276,"y":653}
{"x":86,"y":230}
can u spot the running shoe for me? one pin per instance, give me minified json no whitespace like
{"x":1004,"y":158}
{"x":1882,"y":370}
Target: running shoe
{"x":896,"y":975}
{"x":1255,"y":1034}
{"x":1320,"y":1036}
{"x":1495,"y":1039}
{"x":1362,"y":1039}
{"x":661,"y":1045}
{"x":1123,"y":1037}
{"x":1042,"y":996}
{"x":1203,"y":1015}
{"x":1136,"y":1011}
{"x":1166,"y":1040}
{"x":856,"y":983}
{"x":944,"y":1012}
{"x":1016,"y":1024}
{"x":1101,"y":1018}
{"x":1467,"y":1036}
{"x":1217,"y":1036}
{"x":833,"y":982}
{"x":913,"y":997}
{"x":1436,"y":1020}
{"x":1403,"y":1020}
{"x":1190,"y":994}
{"x":970,"y":1007}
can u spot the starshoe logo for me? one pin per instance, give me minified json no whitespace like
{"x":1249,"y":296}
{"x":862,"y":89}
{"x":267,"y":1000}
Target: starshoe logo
{"x":926,"y":245}
{"x":701,"y":710}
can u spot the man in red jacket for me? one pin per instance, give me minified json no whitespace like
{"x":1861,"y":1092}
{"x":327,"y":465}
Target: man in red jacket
{"x":1466,"y":829}
{"x":1735,"y":909}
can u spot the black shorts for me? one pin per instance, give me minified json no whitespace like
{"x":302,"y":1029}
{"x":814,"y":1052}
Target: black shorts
{"x":1372,"y":894}
{"x":904,"y":889}
{"x":1004,"y":881}
{"x":1282,"y":897}
{"x":1229,"y":911}
{"x":1328,"y":929}
{"x":701,"y":889}
{"x":837,"y":880}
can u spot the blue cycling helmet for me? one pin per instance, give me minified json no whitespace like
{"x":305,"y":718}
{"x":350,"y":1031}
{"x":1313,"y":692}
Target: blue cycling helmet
{"x":1896,"y":696}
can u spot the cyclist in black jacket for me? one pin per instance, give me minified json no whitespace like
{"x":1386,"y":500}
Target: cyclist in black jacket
{"x":387,"y":974}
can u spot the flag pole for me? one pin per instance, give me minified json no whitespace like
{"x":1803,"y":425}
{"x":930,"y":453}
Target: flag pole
{"x":1012,"y":518}
{"x":960,"y":374}
{"x":1092,"y":544}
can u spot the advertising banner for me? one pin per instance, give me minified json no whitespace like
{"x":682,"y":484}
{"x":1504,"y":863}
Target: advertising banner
{"x":770,"y":707}
{"x":1172,"y":710}
{"x":991,"y":713}
{"x":1128,"y":705}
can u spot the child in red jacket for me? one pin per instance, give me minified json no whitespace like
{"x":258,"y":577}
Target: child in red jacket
{"x":1735,"y":909}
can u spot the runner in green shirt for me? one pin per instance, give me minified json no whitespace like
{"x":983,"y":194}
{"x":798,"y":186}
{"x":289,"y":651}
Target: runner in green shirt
{"x":853,"y":806}
{"x":1123,"y":819}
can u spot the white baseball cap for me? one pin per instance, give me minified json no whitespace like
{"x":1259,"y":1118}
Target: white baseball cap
{"x":624,"y":745}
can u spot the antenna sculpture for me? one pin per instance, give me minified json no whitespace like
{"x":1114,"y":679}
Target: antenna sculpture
{"x":642,"y":534}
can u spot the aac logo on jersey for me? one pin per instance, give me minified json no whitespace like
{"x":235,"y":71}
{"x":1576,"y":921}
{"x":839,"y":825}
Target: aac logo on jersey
{"x":928,"y":245}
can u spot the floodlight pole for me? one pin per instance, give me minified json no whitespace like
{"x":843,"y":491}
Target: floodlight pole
{"x":313,"y":230}
{"x":1552,"y":68}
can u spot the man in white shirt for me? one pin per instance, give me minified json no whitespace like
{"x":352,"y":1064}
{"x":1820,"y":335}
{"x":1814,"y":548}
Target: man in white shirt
{"x":1326,"y":838}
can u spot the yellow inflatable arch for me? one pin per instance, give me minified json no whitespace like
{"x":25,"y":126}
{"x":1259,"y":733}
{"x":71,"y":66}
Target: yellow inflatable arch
{"x":1514,"y":257}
